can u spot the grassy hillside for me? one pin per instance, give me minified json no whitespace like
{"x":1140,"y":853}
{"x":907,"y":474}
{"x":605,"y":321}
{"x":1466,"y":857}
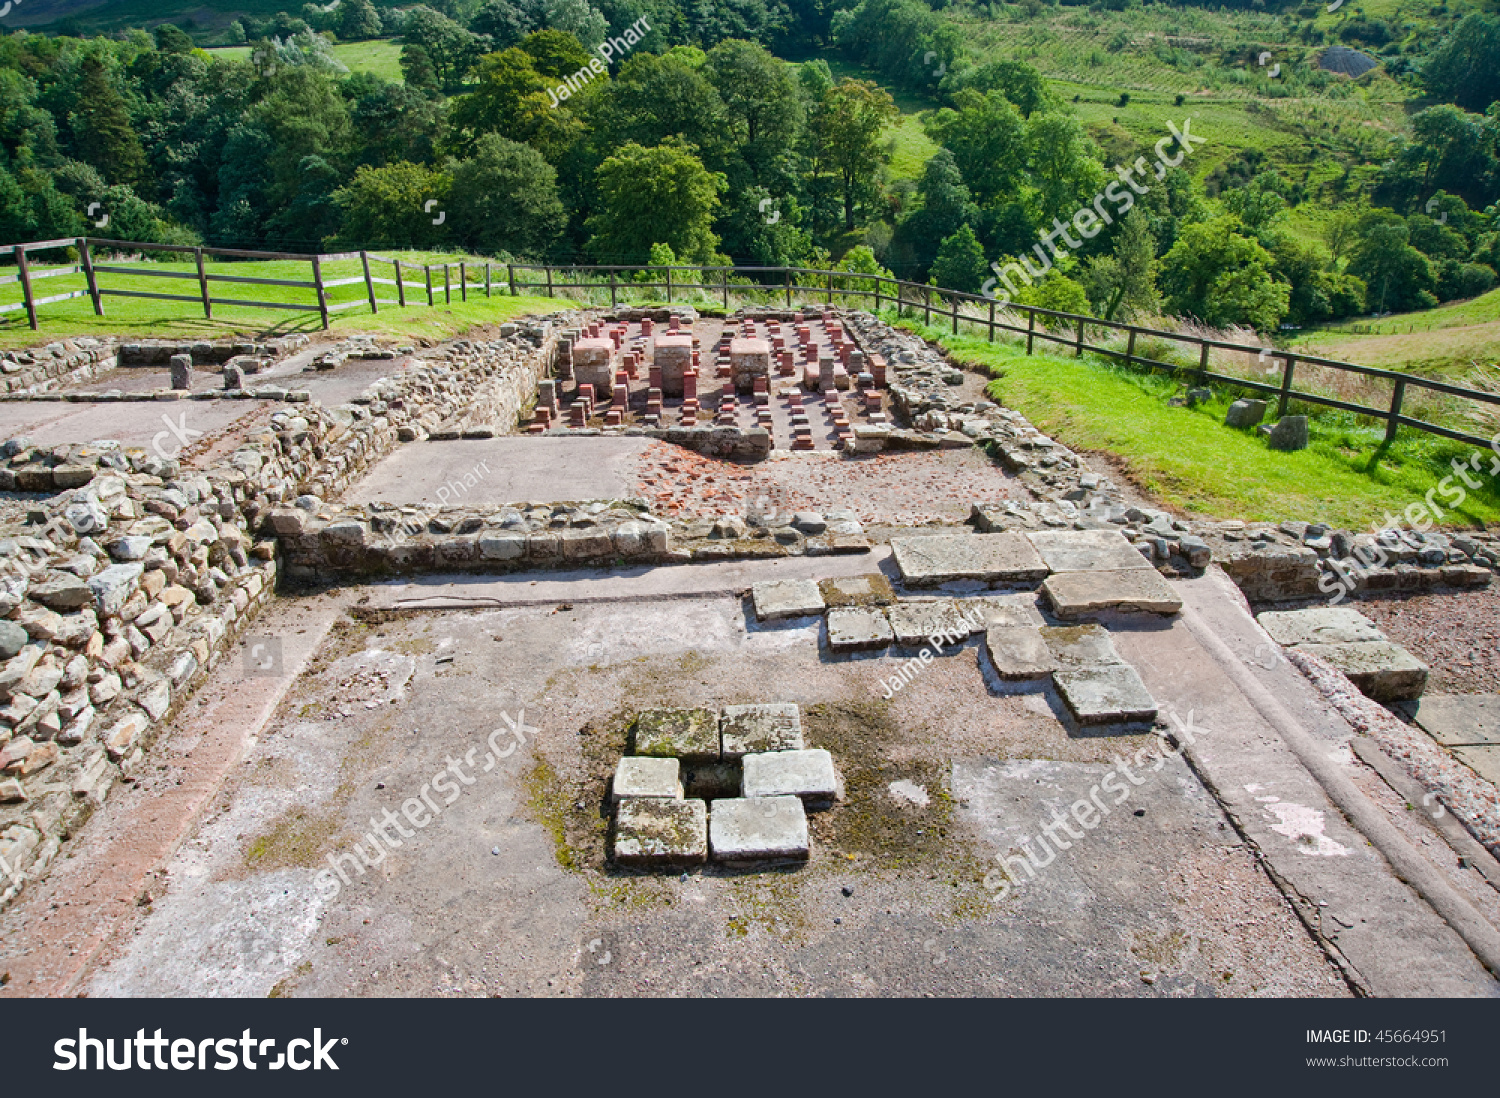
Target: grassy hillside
{"x":1455,"y":341}
{"x":382,"y":57}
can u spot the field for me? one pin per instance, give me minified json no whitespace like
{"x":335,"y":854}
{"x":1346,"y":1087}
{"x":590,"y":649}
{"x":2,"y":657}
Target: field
{"x":1453,"y":341}
{"x":381,"y":56}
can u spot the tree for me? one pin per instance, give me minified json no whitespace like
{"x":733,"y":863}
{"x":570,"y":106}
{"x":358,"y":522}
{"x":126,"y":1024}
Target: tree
{"x":451,"y":49}
{"x":760,"y":101}
{"x":960,"y":263}
{"x":1396,"y":275}
{"x":655,"y":97}
{"x":388,"y":206}
{"x":987,"y":139}
{"x":658,"y":195}
{"x":578,"y":19}
{"x":418,"y":70}
{"x":504,"y":199}
{"x":170,"y":39}
{"x":846,"y":131}
{"x":506,"y":22}
{"x":513,"y":99}
{"x":1016,"y":80}
{"x":102,"y":132}
{"x":1064,"y":169}
{"x":1465,"y":66}
{"x":946,"y":207}
{"x":1222,"y":277}
{"x":1123,"y":283}
{"x":358,"y":19}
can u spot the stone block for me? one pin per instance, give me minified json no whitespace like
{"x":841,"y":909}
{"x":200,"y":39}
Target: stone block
{"x":807,"y":774}
{"x":1002,"y":610}
{"x":646,"y":777}
{"x":942,"y":621}
{"x":1086,"y":550}
{"x":1105,"y":695}
{"x":1245,"y":413}
{"x":182,"y":371}
{"x":503,"y":547}
{"x":1319,"y":625}
{"x":752,"y":729}
{"x":1072,"y":594}
{"x":658,"y":831}
{"x":1458,"y":719}
{"x":1018,"y":653}
{"x":1080,"y":645}
{"x":929,"y":560}
{"x":751,"y":831}
{"x":113,"y":587}
{"x":870,"y":589}
{"x":774,"y":599}
{"x":852,"y":628}
{"x":1483,"y":760}
{"x":691,"y":735}
{"x":1289,"y":434}
{"x":673,"y":356}
{"x":749,"y":359}
{"x":1382,"y":670}
{"x":593,"y":363}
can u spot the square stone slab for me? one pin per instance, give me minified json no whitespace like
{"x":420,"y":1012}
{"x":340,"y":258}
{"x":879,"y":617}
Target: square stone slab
{"x":938,"y":558}
{"x":806,"y":774}
{"x":1075,"y":593}
{"x":1105,"y":695}
{"x":653,"y":831}
{"x":915,"y":622}
{"x":1483,"y":760}
{"x":1087,"y":550}
{"x":1003,"y":610}
{"x":871,"y":589}
{"x":1081,"y":645}
{"x":750,"y":831}
{"x":691,"y":735}
{"x":638,"y":777}
{"x":1319,"y":625}
{"x":1382,"y":670}
{"x":851,"y":628}
{"x":1018,"y":652}
{"x":749,"y":729}
{"x":1456,"y":719}
{"x":785,"y":599}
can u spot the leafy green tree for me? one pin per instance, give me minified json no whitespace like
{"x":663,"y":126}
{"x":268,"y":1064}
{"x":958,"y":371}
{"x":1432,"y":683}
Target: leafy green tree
{"x":846,"y":132}
{"x":387,"y":206}
{"x":760,"y":105}
{"x":1123,"y":284}
{"x":170,"y":39}
{"x":506,"y":22}
{"x":655,"y":97}
{"x":504,"y":199}
{"x":1021,"y":84}
{"x":1396,"y":275}
{"x":576,"y":17}
{"x":904,"y":40}
{"x":555,"y":53}
{"x":659,"y":195}
{"x":417,"y":68}
{"x":451,"y":48}
{"x":102,"y":132}
{"x":390,"y":121}
{"x":987,"y":139}
{"x":1465,"y":66}
{"x":1220,"y":276}
{"x":960,"y":263}
{"x":1064,"y":166}
{"x":946,"y":206}
{"x":1057,"y":292}
{"x":358,"y":19}
{"x":511,"y":98}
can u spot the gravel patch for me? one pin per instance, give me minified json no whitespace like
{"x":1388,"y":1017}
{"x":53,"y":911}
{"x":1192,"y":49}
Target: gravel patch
{"x":1456,"y":634}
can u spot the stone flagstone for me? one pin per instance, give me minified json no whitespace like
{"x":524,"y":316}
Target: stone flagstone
{"x":646,"y":777}
{"x":749,"y":831}
{"x":691,"y":735}
{"x":1081,"y":645}
{"x":1382,"y":670}
{"x":807,"y":774}
{"x":1075,"y":593}
{"x":1087,"y":550}
{"x":914,"y":622}
{"x":1018,"y":653}
{"x":1319,"y":625}
{"x":748,"y":729}
{"x":928,"y":560}
{"x":853,"y":628}
{"x":1105,"y":695}
{"x":651,"y":831}
{"x":1458,"y":719}
{"x":776,"y":599}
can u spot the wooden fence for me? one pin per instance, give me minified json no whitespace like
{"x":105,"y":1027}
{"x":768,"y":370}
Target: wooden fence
{"x":96,"y":276}
{"x":986,"y":314}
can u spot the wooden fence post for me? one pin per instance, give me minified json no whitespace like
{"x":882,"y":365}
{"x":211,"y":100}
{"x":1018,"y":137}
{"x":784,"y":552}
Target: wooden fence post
{"x":88,"y":272}
{"x":927,"y":303}
{"x":1202,"y":363}
{"x":614,"y":294}
{"x":726,"y":289}
{"x":1030,"y":329}
{"x":427,"y":267}
{"x":549,"y":279}
{"x":447,"y":284}
{"x":877,"y":293}
{"x":489,"y":280}
{"x":954,"y":301}
{"x":1286,"y":386}
{"x":208,"y":308}
{"x":24,"y":270}
{"x":511,"y":270}
{"x":669,"y":285}
{"x":786,"y":274}
{"x":364,"y":259}
{"x":317,"y":267}
{"x":1078,"y":349}
{"x":400,"y":286}
{"x":463,"y":280}
{"x":1393,"y":419}
{"x":1130,"y":349}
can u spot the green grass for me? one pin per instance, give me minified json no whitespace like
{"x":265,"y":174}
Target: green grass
{"x":1457,"y":342}
{"x":913,"y":148}
{"x":135,"y":318}
{"x":1189,"y":461}
{"x":381,"y":56}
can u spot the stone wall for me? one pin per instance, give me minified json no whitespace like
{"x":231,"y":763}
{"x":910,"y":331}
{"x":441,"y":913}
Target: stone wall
{"x":43,"y":368}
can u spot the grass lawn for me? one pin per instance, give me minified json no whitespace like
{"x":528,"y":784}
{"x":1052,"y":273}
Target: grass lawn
{"x":137,"y":318}
{"x":382,"y":56}
{"x":1189,"y":461}
{"x":1451,"y":341}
